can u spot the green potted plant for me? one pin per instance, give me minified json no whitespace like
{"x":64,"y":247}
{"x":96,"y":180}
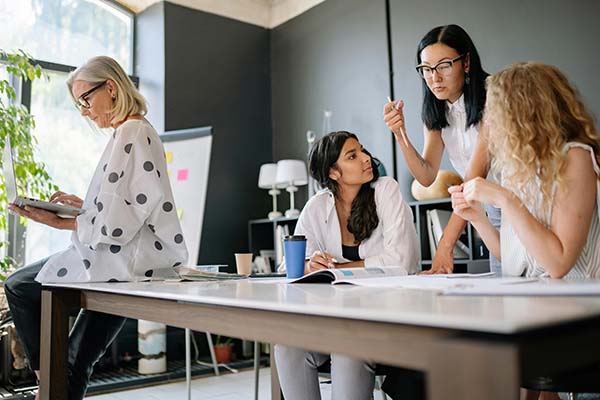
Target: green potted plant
{"x":223,"y":349}
{"x":16,"y":120}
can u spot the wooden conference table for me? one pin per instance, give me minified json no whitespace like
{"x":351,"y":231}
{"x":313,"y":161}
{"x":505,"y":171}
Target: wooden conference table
{"x":469,"y":347}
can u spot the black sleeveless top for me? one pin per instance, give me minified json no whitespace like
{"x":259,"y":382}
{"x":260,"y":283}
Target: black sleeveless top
{"x":350,"y":253}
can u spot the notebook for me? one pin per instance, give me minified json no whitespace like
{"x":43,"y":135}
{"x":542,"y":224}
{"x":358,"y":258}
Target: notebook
{"x":61,"y":210}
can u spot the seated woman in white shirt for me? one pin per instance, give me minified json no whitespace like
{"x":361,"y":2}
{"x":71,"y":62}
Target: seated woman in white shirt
{"x":129,"y":229}
{"x":361,"y":220}
{"x":545,"y":144}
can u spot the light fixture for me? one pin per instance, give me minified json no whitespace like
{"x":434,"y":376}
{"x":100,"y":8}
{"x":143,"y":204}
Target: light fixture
{"x":267,"y":179}
{"x":291,"y":173}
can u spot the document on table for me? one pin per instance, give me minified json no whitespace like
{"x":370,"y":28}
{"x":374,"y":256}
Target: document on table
{"x":537,"y":287}
{"x":434,"y":282}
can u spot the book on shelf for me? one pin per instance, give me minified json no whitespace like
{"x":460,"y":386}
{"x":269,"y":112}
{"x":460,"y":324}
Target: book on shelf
{"x":480,"y":251}
{"x":280,"y":233}
{"x":432,"y":242}
{"x":349,"y":275}
{"x":436,"y":223}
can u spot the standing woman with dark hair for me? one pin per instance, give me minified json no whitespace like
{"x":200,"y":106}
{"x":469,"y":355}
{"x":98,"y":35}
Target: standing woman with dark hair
{"x":360,"y":220}
{"x":453,"y":101}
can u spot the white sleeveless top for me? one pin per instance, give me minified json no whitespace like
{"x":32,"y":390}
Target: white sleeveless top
{"x":516,"y":261}
{"x":459,"y":140}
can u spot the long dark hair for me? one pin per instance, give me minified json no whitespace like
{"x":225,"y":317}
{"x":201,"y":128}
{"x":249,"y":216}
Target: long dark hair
{"x":323,"y":156}
{"x":433,"y":112}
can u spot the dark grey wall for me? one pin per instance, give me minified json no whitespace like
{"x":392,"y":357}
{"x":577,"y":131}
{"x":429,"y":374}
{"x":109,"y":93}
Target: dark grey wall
{"x":262,"y":90}
{"x":561,"y":33}
{"x":332,"y":57}
{"x":216,"y":72}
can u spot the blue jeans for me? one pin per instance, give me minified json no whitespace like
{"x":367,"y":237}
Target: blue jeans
{"x":91,"y":335}
{"x":494,"y":214}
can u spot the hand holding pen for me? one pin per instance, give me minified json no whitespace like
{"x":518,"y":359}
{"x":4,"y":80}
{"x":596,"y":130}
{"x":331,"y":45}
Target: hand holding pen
{"x":321,"y":260}
{"x":393,"y":116}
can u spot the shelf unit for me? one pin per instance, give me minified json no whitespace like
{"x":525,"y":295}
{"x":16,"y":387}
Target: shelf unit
{"x":262,"y":234}
{"x":478,"y":260}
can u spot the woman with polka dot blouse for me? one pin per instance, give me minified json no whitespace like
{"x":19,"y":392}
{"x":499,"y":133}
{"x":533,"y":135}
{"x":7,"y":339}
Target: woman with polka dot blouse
{"x":128,"y":231}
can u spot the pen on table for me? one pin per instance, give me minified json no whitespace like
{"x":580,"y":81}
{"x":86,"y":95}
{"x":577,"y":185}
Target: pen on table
{"x":403,"y":133}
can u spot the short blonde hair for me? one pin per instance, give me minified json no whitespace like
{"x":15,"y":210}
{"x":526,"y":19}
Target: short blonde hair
{"x":129,"y":100}
{"x":532,"y":111}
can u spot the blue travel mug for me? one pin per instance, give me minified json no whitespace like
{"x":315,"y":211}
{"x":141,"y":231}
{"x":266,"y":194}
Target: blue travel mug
{"x":294,"y":250}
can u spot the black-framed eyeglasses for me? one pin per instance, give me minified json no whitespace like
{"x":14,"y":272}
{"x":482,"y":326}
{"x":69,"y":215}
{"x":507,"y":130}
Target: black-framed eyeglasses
{"x":443,"y":68}
{"x":82,"y":101}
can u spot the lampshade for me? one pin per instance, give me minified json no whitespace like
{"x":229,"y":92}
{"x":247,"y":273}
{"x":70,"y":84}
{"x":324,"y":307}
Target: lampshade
{"x":267,"y":177}
{"x":291,"y":172}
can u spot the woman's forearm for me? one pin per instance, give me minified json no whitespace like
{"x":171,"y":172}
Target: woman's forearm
{"x":452,"y":232}
{"x":490,"y":236}
{"x":351,"y":264}
{"x":418,"y":166}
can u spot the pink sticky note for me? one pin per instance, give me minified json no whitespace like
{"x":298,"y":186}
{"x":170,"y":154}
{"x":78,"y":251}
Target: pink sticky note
{"x":182,"y":174}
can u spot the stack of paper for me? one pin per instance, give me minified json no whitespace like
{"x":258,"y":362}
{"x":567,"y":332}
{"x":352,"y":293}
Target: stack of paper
{"x":193,"y":274}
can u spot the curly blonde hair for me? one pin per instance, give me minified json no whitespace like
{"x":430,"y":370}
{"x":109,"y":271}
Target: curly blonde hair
{"x":532,"y":111}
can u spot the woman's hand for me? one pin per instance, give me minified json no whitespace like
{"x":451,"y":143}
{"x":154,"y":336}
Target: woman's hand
{"x":317,"y":262}
{"x":443,"y":261}
{"x":393,"y":116}
{"x":44,"y":217}
{"x":484,"y":191}
{"x":468,"y":210}
{"x":67,"y":199}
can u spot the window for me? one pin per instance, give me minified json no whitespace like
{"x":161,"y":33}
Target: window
{"x":69,"y":148}
{"x":67,"y":31}
{"x":62,"y":34}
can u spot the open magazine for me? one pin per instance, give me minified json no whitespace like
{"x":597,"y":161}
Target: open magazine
{"x":347,"y":275}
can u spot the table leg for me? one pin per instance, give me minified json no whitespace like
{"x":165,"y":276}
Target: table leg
{"x":54,"y":343}
{"x":275,"y":388}
{"x":467,"y":370}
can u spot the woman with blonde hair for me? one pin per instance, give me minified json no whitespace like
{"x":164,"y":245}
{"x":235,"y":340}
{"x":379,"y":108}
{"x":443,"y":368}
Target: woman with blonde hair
{"x":544,"y":144}
{"x":128,"y":230}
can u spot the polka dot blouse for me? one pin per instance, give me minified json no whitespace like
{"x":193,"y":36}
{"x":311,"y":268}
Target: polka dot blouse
{"x":130,"y":229}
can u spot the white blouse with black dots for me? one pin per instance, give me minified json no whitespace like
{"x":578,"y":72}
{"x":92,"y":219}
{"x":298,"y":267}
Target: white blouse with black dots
{"x":130,"y":229}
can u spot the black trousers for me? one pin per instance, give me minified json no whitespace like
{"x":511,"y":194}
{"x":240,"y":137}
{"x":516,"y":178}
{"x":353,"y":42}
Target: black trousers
{"x":90,"y":337}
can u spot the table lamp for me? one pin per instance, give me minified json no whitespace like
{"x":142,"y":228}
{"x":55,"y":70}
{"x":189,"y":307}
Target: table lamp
{"x":267,"y":179}
{"x":291,"y":173}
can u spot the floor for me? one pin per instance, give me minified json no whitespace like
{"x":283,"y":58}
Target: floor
{"x":238,"y":386}
{"x":227,"y":386}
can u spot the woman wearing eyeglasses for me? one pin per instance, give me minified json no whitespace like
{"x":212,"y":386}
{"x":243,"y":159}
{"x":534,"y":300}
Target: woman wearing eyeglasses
{"x":129,"y":229}
{"x":453,"y":101}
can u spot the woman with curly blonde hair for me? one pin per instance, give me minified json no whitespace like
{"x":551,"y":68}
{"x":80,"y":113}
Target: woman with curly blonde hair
{"x":546,"y":148}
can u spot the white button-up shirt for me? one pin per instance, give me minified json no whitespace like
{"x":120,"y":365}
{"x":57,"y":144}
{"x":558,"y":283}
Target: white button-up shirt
{"x":130,"y":229}
{"x":459,"y":141}
{"x":392,"y":243}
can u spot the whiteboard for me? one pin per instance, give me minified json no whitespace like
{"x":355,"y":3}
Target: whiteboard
{"x":187,"y":152}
